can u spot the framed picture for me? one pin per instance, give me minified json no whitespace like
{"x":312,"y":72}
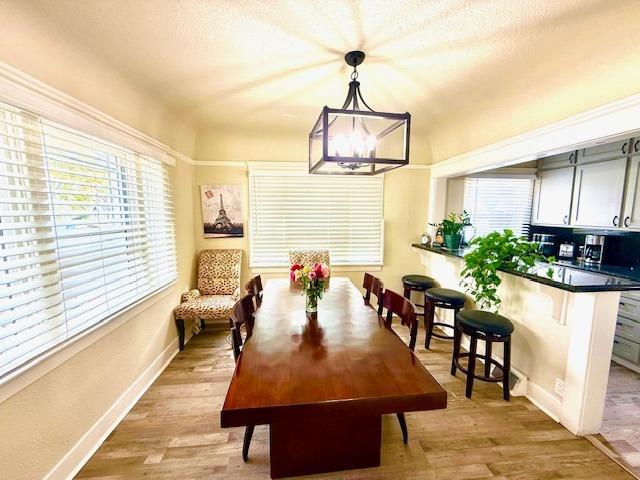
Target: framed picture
{"x":222,"y":211}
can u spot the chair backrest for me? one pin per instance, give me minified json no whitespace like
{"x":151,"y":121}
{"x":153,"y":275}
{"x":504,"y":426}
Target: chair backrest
{"x":219,"y":271}
{"x":396,"y":304}
{"x":309,"y":257}
{"x":236,"y":341}
{"x":243,"y":314}
{"x":254,"y":287}
{"x":373,"y":285}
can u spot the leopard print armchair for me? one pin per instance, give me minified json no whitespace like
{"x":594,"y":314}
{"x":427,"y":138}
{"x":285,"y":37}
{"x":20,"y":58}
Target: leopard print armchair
{"x":218,"y":291}
{"x":308,"y":257}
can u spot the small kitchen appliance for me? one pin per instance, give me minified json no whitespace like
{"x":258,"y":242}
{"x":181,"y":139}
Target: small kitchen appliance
{"x":546,"y":243}
{"x":593,"y":248}
{"x":567,"y":251}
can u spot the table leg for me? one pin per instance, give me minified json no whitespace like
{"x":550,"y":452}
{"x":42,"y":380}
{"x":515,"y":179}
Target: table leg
{"x":304,"y":447}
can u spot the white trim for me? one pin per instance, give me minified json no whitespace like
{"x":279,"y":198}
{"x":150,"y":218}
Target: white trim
{"x":38,"y":367}
{"x":545,"y":401}
{"x":82,"y":451}
{"x":221,"y":163}
{"x":597,"y":125}
{"x":28,"y":93}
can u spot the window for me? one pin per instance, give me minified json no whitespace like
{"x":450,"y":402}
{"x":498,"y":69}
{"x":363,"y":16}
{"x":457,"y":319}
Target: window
{"x":299,"y":211}
{"x":86,"y":229}
{"x":496,"y":203}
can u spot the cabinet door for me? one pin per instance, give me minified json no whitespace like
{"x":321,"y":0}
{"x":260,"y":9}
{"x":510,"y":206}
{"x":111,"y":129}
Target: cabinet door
{"x":560,"y":160}
{"x":631,"y":215}
{"x":606,"y":151}
{"x":552,"y":203}
{"x":597,"y":193}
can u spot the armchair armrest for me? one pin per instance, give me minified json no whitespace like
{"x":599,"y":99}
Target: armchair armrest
{"x":236,"y":294}
{"x":190,"y":295}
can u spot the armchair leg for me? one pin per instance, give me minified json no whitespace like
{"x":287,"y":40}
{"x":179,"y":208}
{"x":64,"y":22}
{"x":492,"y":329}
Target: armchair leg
{"x":180,"y":326}
{"x":202,"y":325}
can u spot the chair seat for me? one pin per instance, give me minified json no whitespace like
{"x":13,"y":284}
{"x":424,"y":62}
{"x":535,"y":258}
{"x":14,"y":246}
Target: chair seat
{"x":446,"y":295}
{"x":206,"y":307}
{"x":486,"y":322}
{"x":418,"y":282}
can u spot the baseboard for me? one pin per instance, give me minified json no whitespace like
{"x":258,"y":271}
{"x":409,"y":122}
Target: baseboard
{"x":544,"y":400}
{"x":82,"y":451}
{"x":626,"y":363}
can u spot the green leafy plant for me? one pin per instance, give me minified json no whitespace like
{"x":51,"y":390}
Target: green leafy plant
{"x":491,"y":253}
{"x":454,"y":223}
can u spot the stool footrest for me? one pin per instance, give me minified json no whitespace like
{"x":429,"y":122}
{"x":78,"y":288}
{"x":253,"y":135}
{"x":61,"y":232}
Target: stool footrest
{"x":442,"y":335}
{"x":479,"y":377}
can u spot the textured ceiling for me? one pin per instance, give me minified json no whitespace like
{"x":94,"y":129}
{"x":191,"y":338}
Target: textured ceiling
{"x":274,"y":64}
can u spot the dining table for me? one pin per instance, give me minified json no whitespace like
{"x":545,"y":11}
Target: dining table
{"x":323,"y":380}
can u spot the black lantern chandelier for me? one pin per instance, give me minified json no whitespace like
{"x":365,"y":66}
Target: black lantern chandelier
{"x":355,"y":141}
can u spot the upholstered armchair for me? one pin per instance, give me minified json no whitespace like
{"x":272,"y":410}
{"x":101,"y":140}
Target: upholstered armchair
{"x":308,"y":257}
{"x":218,"y":290}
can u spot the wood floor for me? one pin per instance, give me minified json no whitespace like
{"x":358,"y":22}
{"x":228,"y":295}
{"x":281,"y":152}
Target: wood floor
{"x":620,"y":431}
{"x":174,"y":432}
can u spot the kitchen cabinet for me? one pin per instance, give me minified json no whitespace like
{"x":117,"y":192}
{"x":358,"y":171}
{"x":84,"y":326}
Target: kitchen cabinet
{"x":552,"y":200}
{"x":626,"y":344}
{"x":631,"y":214}
{"x":598,"y":193}
{"x":558,"y":161}
{"x":606,"y":151}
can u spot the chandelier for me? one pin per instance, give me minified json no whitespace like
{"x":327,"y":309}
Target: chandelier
{"x":358,"y":141}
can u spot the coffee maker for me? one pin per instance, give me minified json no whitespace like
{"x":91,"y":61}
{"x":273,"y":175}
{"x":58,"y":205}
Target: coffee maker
{"x":593,"y":248}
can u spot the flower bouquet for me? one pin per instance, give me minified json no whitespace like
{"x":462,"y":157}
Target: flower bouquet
{"x":313,"y":280}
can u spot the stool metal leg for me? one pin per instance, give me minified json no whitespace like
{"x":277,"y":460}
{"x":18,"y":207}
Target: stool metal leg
{"x":487,"y":358}
{"x":471,"y":368}
{"x":429,"y":313}
{"x":506,"y":369}
{"x":457,"y":339}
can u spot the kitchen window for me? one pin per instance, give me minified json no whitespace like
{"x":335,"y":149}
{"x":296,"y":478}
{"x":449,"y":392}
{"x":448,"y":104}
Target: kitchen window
{"x":498,"y":203}
{"x":292,"y":210}
{"x":86,"y":229}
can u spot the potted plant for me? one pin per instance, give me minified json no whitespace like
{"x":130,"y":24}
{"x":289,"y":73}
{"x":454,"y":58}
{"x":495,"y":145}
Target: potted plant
{"x":452,"y":227}
{"x":491,"y":253}
{"x":313,"y":280}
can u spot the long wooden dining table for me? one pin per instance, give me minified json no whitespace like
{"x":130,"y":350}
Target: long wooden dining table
{"x":323,"y":381}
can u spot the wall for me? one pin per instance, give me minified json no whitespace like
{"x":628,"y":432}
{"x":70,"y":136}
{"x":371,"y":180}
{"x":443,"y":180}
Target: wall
{"x":405,"y":211}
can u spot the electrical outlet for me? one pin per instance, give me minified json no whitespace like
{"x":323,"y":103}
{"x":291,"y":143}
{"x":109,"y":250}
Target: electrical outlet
{"x":559,"y":389}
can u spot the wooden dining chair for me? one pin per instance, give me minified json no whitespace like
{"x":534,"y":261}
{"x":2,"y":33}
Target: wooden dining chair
{"x":254,"y":287}
{"x":242,"y":314}
{"x":398,"y":305}
{"x":373,"y":285}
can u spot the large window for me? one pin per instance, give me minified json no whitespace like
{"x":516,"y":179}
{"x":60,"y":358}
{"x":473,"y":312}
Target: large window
{"x":496,"y":203}
{"x":299,"y":211}
{"x":86,"y":229}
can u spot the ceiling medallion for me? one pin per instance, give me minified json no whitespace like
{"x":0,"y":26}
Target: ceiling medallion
{"x":355,"y":141}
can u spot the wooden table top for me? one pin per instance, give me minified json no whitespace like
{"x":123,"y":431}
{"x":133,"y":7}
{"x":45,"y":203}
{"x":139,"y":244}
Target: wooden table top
{"x":344,"y":362}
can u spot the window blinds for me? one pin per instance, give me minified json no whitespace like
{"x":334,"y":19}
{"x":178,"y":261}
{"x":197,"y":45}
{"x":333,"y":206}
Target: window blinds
{"x":496,"y":203}
{"x":86,"y":229}
{"x":342,"y":214}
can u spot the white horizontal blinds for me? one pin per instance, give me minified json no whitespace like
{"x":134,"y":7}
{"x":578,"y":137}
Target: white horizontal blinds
{"x":342,"y":214}
{"x":496,"y":203}
{"x":103,"y":236}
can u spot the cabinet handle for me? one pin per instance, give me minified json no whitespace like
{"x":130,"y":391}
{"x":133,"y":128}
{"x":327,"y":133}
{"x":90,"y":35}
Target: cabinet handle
{"x":571,"y":157}
{"x":616,"y":342}
{"x":565,"y":219}
{"x":615,"y":221}
{"x":626,"y":221}
{"x":622,"y":303}
{"x":636,"y":146}
{"x":624,"y":148}
{"x":618,"y":323}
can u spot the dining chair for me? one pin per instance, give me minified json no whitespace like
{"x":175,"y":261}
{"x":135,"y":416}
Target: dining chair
{"x":309,"y":257}
{"x":373,"y":285}
{"x":242,"y":314}
{"x":398,"y":305}
{"x":254,"y":287}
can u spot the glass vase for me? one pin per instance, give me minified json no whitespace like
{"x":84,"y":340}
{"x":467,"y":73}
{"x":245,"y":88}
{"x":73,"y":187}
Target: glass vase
{"x":311,"y":304}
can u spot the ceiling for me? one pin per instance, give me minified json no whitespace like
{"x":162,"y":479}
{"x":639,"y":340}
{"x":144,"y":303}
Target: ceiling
{"x":274,"y":64}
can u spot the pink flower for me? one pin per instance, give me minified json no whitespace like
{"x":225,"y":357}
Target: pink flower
{"x":312,"y":275}
{"x":325,"y":270}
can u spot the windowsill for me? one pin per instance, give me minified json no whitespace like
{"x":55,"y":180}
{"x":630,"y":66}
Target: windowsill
{"x":23,"y":376}
{"x":337,"y":269}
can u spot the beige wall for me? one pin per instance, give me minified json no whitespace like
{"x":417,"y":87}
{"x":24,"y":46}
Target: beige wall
{"x":405,"y":213}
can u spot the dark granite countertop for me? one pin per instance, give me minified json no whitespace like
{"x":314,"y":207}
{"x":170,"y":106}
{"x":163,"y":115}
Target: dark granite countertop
{"x":569,"y":276}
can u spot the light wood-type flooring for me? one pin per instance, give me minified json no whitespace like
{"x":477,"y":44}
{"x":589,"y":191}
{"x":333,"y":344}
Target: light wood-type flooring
{"x":174,"y":432}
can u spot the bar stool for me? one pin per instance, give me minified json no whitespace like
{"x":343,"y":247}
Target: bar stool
{"x":441,"y":298}
{"x":489,"y":327}
{"x":417,"y":283}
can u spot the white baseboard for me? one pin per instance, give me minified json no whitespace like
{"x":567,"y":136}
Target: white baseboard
{"x":626,"y":363}
{"x":82,"y":451}
{"x":544,"y":400}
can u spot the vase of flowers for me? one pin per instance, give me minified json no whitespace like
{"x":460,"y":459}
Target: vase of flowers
{"x":313,"y":280}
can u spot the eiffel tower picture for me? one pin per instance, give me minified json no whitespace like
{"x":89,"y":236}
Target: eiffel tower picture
{"x":222,"y":211}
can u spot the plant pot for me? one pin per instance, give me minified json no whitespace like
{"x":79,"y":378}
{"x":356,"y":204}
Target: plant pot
{"x":452,"y":242}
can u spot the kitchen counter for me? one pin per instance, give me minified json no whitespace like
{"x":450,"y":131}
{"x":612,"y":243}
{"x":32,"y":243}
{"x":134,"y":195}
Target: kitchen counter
{"x":567,"y":276}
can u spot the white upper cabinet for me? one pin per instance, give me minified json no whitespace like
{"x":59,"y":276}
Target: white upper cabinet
{"x":598,"y":193}
{"x":631,"y":215}
{"x":557,"y":161}
{"x":552,"y":201}
{"x":606,"y":151}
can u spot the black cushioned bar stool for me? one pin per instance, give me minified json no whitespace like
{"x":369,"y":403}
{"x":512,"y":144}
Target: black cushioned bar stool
{"x":417,"y":283}
{"x":489,"y":327}
{"x":441,"y":298}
